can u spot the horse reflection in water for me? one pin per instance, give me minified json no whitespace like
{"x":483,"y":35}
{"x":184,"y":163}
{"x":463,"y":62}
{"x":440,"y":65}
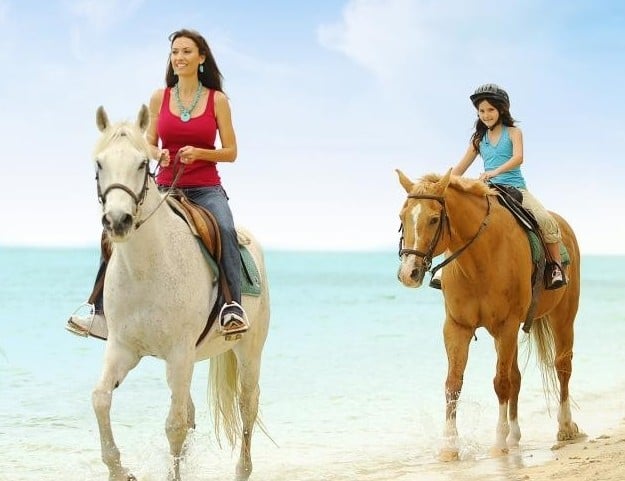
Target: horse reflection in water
{"x":488,"y":284}
{"x":158,"y":293}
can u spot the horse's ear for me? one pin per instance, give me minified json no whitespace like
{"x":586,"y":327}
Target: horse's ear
{"x":143,"y":119}
{"x":404,"y":181}
{"x":101,"y":119}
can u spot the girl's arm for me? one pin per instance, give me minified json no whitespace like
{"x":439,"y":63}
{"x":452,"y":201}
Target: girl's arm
{"x":466,"y":161}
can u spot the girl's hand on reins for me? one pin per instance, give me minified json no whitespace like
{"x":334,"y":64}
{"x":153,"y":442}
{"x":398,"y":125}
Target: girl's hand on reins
{"x":486,"y":176}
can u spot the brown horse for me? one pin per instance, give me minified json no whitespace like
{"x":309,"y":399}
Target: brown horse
{"x":488,"y":284}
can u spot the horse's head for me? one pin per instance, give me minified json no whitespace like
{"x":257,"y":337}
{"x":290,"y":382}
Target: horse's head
{"x":422,"y":222}
{"x":122,"y":172}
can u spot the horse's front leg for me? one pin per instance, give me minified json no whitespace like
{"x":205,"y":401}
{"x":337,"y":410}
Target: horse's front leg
{"x":514,"y":436}
{"x":179,"y":374}
{"x":506,"y":347}
{"x":457,"y":339}
{"x":117,"y":364}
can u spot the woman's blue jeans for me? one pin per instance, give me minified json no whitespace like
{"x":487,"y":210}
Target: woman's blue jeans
{"x":215,"y":200}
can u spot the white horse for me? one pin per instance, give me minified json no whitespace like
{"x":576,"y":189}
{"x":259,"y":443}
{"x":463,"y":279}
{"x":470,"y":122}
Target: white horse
{"x":158,"y":293}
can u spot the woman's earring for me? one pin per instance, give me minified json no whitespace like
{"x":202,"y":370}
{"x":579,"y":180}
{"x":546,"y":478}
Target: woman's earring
{"x":201,"y":68}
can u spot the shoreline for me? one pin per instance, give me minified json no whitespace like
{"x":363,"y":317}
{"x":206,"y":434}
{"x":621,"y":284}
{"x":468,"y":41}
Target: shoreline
{"x":601,"y":458}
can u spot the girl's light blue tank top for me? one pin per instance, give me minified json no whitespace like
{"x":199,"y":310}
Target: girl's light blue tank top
{"x":496,"y":155}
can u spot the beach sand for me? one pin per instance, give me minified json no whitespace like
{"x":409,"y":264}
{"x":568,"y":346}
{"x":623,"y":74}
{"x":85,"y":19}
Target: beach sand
{"x":591,"y":459}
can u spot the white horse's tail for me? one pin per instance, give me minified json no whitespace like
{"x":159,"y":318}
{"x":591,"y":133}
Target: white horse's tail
{"x":224,"y":397}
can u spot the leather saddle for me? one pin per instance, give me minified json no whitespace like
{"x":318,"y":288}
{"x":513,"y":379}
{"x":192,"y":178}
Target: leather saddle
{"x":512,"y":198}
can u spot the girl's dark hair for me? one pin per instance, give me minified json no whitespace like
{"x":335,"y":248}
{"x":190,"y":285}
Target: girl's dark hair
{"x":211,"y":78}
{"x":505,"y":118}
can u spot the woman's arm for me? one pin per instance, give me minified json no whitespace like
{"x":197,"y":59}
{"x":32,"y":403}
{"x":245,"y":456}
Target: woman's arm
{"x":151,"y":133}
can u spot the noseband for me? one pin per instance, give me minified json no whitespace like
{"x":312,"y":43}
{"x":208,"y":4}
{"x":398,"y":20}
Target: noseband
{"x":139,"y":198}
{"x":427,"y":256}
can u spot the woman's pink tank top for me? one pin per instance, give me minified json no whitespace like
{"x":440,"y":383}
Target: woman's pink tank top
{"x":198,"y":132}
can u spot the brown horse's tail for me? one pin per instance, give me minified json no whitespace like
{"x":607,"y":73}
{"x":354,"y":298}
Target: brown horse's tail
{"x":542,"y":341}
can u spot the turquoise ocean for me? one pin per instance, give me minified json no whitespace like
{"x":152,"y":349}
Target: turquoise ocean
{"x":351,"y":386}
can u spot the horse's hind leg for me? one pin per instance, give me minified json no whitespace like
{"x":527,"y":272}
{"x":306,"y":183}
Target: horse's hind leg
{"x":563,"y":340}
{"x":179,"y":373}
{"x":514,"y":436}
{"x":249,"y":373}
{"x":117,"y":364}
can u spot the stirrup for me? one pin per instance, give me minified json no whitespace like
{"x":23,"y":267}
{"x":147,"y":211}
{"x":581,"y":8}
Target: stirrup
{"x":233,"y":328}
{"x":435,"y":281}
{"x":92,"y":324}
{"x":552,"y":284}
{"x":77,"y":329}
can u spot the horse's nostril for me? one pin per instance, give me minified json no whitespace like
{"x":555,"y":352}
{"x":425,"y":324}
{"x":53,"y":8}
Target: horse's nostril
{"x":126,"y":222}
{"x":120,"y":223}
{"x":415,"y":274}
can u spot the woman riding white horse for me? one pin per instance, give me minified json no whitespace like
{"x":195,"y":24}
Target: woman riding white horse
{"x":158,"y":293}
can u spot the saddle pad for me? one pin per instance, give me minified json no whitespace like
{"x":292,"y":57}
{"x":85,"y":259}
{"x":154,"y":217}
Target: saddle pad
{"x":537,"y":249}
{"x":250,"y":277}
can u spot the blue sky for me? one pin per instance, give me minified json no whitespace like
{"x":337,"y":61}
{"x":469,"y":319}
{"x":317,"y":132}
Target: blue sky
{"x":328,"y":98}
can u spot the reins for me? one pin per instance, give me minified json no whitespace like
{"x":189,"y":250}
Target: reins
{"x":427,"y":256}
{"x":140,"y":198}
{"x":179,"y":172}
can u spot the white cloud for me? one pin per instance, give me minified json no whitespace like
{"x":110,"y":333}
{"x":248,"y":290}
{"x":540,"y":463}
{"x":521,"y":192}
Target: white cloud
{"x":380,"y":35}
{"x":319,"y":140}
{"x":102,"y":14}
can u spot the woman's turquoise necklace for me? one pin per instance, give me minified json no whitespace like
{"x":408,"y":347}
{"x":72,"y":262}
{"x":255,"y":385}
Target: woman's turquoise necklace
{"x":185,"y":113}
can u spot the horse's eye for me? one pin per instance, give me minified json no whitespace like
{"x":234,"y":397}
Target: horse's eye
{"x":98,"y":166}
{"x":434,"y":220}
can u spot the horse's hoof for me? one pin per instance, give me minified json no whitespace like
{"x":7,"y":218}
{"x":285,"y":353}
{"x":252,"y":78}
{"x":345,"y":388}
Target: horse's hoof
{"x":448,"y":455}
{"x":570,"y":434}
{"x":497,"y":452}
{"x":243,"y":474}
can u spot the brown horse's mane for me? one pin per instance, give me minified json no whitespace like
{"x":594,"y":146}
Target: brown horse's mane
{"x":427,"y":183}
{"x":122,"y":130}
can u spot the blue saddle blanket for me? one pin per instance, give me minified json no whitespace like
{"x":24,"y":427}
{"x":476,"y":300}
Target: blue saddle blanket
{"x":250,"y":276}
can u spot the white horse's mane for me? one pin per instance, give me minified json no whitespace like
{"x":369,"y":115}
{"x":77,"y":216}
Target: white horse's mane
{"x":121,"y":131}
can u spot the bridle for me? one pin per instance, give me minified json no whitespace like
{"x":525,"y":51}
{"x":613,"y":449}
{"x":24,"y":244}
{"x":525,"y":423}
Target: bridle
{"x":140,"y":197}
{"x":427,"y":256}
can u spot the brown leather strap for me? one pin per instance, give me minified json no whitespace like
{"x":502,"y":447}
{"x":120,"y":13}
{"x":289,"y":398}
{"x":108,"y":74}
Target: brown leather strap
{"x":98,"y":287}
{"x":207,"y":228}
